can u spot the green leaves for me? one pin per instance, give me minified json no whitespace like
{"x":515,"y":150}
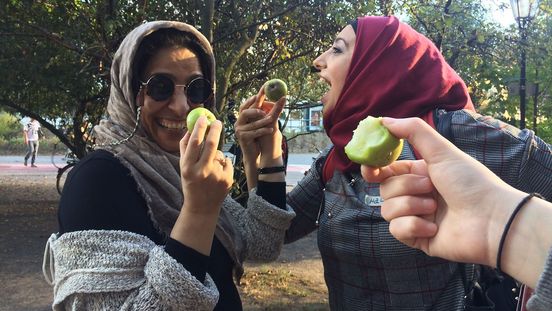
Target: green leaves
{"x":60,"y":51}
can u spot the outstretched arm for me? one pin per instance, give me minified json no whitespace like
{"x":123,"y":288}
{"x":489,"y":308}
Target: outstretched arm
{"x":451,"y":206}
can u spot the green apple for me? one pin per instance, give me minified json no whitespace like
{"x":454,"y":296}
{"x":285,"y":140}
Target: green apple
{"x":372,"y":144}
{"x":275,"y":89}
{"x":195,"y":114}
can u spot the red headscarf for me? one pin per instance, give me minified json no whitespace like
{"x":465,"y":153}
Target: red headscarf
{"x":394,"y":72}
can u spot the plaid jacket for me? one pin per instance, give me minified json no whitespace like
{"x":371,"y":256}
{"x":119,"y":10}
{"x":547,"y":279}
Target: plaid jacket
{"x":365,"y":267}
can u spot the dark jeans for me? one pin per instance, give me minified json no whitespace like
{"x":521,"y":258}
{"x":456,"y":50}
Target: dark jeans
{"x":32,"y":150}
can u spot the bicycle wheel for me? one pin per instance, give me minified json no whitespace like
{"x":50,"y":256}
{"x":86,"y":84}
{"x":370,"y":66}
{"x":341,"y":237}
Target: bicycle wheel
{"x":62,"y":175}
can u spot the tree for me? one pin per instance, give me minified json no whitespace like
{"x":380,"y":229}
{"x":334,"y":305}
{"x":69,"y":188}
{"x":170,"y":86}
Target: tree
{"x":62,"y":50}
{"x":486,"y":55}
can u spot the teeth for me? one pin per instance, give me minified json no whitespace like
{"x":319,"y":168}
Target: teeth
{"x":172,"y":124}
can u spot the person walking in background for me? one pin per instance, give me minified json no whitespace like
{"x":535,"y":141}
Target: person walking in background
{"x":30,"y":132}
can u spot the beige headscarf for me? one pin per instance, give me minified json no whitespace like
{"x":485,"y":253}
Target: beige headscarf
{"x":156,"y":172}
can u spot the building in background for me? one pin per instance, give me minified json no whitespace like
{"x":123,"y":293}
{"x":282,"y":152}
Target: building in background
{"x":304,"y":120}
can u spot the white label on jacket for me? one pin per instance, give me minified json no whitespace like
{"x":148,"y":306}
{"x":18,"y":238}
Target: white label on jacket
{"x":372,"y":200}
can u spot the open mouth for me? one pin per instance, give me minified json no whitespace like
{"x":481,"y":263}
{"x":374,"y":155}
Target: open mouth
{"x":326,"y":86}
{"x":326,"y":81}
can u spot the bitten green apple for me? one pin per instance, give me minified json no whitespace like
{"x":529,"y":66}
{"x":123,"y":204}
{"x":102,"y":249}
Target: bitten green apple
{"x":275,"y":89}
{"x":372,"y":144}
{"x":195,"y":114}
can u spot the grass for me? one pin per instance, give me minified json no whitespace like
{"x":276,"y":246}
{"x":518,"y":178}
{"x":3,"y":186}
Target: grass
{"x":277,"y":287}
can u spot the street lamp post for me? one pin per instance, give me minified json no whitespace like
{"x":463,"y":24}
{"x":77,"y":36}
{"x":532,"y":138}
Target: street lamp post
{"x":524,"y":11}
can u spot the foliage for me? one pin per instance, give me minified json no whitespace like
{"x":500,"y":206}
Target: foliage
{"x":62,"y":50}
{"x":487,"y":56}
{"x":9,"y":125}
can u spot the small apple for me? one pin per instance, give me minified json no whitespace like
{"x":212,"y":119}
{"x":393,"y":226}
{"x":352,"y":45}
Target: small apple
{"x":275,"y":89}
{"x":195,"y":114}
{"x":372,"y":144}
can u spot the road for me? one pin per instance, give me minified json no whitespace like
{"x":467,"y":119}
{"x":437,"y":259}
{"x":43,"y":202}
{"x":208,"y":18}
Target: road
{"x":298,"y":163}
{"x":28,"y":215}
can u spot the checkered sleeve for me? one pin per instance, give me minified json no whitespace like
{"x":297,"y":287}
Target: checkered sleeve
{"x":519,"y":157}
{"x":306,"y":199}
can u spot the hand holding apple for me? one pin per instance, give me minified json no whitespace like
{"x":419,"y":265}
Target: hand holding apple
{"x":372,"y":144}
{"x":202,"y":167}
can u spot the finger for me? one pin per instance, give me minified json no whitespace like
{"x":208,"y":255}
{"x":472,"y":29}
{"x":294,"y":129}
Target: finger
{"x":251,"y":102}
{"x":228,"y":169}
{"x":373,"y":174}
{"x":253,"y":134}
{"x":277,"y":108}
{"x":196,"y":139}
{"x":254,"y":101}
{"x":261,"y":95}
{"x":379,"y":174}
{"x":428,"y":142}
{"x":408,"y":228}
{"x":220,"y":159}
{"x":210,"y":145}
{"x":249,"y":115}
{"x":407,"y":184}
{"x":408,"y":206}
{"x":258,"y":124}
{"x":184,"y":143}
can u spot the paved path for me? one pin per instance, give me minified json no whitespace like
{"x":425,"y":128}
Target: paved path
{"x":13,"y":165}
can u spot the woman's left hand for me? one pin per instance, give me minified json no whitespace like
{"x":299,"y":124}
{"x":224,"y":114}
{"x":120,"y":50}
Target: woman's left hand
{"x":257,"y":127}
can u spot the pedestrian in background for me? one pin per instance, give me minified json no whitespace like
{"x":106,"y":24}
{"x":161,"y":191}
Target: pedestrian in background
{"x":31,"y":133}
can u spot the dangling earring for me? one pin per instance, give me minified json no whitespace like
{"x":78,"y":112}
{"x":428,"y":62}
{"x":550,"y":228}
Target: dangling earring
{"x":124,"y":140}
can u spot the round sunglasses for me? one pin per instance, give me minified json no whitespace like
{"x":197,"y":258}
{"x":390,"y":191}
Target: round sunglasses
{"x":161,"y":87}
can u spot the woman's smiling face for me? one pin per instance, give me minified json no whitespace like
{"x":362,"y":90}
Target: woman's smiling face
{"x":165,"y":121}
{"x":334,"y":64}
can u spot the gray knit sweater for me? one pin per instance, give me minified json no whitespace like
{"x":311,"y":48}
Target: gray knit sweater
{"x":542,"y":297}
{"x":119,"y":270}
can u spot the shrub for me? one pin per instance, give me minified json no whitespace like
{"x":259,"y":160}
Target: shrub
{"x":9,"y":126}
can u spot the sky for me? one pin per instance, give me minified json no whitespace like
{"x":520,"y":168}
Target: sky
{"x":504,"y":17}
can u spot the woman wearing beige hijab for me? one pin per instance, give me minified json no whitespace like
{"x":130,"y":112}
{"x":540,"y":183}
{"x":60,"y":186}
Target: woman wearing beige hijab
{"x":145,"y":221}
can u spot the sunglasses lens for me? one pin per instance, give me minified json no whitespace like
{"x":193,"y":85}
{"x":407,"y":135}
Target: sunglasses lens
{"x":160,"y":87}
{"x":199,"y":90}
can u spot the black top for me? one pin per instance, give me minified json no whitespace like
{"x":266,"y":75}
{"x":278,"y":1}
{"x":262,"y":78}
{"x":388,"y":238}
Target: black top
{"x":100,"y":194}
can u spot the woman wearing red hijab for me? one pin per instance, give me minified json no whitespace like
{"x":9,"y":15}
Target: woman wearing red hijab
{"x":379,"y":66}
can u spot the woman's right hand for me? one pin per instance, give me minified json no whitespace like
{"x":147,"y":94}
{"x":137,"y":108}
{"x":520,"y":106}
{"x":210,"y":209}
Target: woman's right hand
{"x":449,"y":205}
{"x":207,"y":176}
{"x":204,"y":167}
{"x":444,"y":203}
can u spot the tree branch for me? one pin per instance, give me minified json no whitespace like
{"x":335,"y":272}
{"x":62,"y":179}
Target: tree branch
{"x":57,"y":39}
{"x":259,"y":22}
{"x":262,"y":74}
